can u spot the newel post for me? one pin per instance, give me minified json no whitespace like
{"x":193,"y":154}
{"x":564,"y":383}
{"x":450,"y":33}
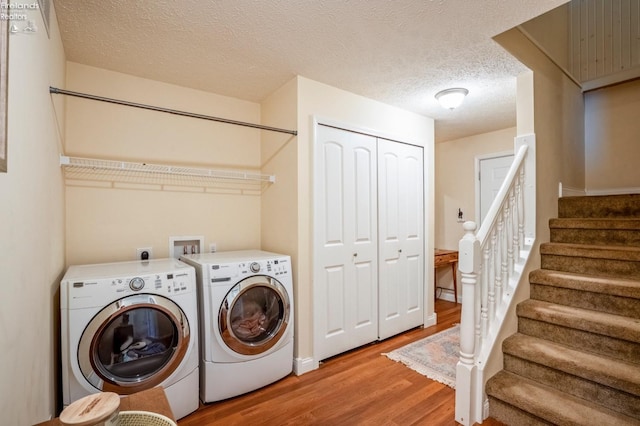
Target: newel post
{"x":469,"y":265}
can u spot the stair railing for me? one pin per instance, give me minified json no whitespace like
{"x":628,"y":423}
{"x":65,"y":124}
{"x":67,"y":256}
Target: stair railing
{"x":491,"y":262}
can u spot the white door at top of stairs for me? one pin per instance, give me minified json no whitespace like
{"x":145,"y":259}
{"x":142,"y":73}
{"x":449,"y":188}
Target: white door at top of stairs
{"x":368,"y":239}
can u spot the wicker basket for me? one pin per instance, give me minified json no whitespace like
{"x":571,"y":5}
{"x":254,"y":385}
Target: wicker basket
{"x":144,"y":418}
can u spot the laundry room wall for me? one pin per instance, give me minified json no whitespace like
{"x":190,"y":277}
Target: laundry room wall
{"x":326,"y":102}
{"x":31,"y":224}
{"x":279,"y":158}
{"x":107,"y":221}
{"x":280,"y":200}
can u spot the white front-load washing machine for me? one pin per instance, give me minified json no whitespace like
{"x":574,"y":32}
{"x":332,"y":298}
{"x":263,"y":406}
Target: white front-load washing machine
{"x":130,"y":326}
{"x":246,"y":320}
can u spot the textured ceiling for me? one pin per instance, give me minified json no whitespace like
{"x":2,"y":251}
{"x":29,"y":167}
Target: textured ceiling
{"x":399,"y":52}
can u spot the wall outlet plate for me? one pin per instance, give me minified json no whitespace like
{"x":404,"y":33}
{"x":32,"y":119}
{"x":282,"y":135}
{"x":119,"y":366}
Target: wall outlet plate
{"x":141,"y":250}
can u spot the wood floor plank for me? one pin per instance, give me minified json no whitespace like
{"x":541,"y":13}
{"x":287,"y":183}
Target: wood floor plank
{"x":360,"y":387}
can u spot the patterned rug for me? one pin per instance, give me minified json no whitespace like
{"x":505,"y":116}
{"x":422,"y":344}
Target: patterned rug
{"x":435,"y":356}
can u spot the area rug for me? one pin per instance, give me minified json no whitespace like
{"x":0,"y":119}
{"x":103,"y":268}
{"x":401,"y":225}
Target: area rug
{"x":435,"y":356}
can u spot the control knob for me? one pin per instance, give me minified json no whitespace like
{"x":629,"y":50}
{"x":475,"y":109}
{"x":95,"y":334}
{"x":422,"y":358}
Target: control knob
{"x":255,"y":267}
{"x":136,"y":284}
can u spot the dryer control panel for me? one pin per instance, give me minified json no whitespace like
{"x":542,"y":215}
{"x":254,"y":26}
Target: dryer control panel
{"x":226,"y":272}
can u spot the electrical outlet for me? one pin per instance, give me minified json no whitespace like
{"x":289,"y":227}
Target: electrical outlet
{"x":142,"y":250}
{"x":213,"y":247}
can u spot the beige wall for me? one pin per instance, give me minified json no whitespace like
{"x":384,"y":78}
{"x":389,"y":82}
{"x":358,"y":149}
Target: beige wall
{"x":611,"y":130}
{"x":557,"y":116}
{"x":279,"y":229}
{"x":106,"y":222}
{"x":31,"y":228}
{"x":326,"y":102}
{"x":456,"y":188}
{"x":550,"y":32}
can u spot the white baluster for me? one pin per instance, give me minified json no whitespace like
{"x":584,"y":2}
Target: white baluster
{"x":492,"y":275}
{"x":504,"y":269}
{"x":484,"y":281}
{"x":468,"y":264}
{"x":516,"y":219}
{"x":521,"y":212}
{"x":508,"y":212}
{"x":499,"y":250}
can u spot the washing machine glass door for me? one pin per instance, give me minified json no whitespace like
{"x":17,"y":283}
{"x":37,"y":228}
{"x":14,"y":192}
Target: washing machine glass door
{"x":254,"y":315}
{"x":133,"y":344}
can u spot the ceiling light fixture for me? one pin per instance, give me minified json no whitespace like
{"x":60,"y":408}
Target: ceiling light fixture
{"x":451,"y":98}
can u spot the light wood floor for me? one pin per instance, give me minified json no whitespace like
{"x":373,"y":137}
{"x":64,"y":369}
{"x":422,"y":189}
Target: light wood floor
{"x":360,"y":387}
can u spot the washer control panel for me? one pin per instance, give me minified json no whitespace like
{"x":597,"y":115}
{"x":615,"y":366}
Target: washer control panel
{"x":87,"y":293}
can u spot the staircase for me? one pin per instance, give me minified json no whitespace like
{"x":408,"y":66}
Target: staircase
{"x":575,"y":359}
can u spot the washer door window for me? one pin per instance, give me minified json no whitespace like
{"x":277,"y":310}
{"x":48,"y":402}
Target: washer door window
{"x":254,"y":315}
{"x":133,"y":344}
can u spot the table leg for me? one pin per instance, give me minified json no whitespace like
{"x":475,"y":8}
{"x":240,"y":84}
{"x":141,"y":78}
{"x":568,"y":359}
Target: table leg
{"x":455,"y":285}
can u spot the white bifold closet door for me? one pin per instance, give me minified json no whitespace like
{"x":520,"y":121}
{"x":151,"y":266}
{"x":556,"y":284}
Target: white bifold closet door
{"x":345,"y":242}
{"x":368,"y":239}
{"x":400,"y":237}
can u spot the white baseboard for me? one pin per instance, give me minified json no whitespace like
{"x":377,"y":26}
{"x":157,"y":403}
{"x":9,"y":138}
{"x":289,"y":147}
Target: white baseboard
{"x":567,"y":191}
{"x":430,"y":320}
{"x":304,"y":365}
{"x":446,"y":294}
{"x":613,"y":191}
{"x":485,"y":409}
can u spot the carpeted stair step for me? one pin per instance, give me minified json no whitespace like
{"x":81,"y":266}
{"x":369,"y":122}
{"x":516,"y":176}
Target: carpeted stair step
{"x":538,"y":404}
{"x":614,"y":336}
{"x":603,"y":380}
{"x":617,"y":296}
{"x":608,"y":261}
{"x":627,"y":205}
{"x":618,"y":232}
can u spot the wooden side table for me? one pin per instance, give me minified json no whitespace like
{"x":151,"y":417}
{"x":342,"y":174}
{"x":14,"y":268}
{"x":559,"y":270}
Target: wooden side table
{"x":444,"y":258}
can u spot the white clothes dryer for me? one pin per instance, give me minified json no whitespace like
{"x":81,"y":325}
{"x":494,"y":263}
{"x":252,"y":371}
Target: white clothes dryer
{"x":130,"y":326}
{"x":246,"y":320}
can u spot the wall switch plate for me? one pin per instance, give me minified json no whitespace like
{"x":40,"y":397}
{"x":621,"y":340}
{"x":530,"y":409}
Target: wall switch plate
{"x":213,"y":247}
{"x":141,"y":250}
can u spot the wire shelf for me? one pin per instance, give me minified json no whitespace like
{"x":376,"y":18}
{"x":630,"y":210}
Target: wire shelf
{"x":113,"y":171}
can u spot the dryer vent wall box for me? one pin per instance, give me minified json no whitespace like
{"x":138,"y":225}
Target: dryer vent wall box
{"x":179,"y":246}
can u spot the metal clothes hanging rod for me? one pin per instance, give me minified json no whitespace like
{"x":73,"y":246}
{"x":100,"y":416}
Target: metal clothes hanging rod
{"x":55,"y":90}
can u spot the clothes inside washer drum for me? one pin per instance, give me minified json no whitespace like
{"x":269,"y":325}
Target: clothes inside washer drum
{"x":251,"y":324}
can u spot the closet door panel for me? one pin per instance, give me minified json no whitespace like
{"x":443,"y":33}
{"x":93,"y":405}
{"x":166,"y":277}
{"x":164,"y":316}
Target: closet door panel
{"x":366,"y":312}
{"x":345,"y":230}
{"x":415,"y":284}
{"x":389,"y":298}
{"x":364,"y":199}
{"x":401,"y":236}
{"x":333,"y":205}
{"x":335,"y":290}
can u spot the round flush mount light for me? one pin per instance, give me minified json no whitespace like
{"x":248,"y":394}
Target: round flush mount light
{"x":451,"y":98}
